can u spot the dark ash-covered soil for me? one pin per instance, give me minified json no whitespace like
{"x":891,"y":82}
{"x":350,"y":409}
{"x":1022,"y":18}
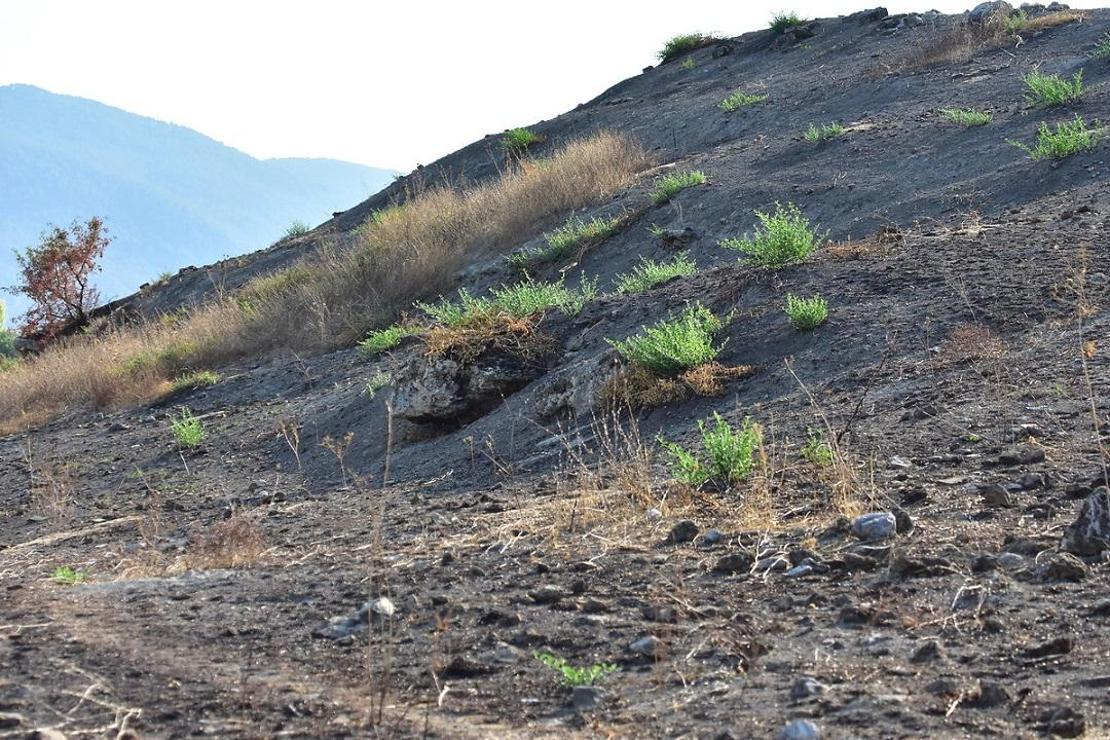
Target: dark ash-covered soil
{"x":963,"y":368}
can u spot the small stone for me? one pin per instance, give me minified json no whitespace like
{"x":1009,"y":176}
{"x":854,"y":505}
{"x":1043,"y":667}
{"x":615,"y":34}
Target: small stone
{"x":1010,"y":561}
{"x":684,"y":531}
{"x":1050,"y":648}
{"x":1063,"y":722}
{"x":119,"y":426}
{"x":654,"y":515}
{"x":711,"y":537}
{"x":8,"y":720}
{"x":648,"y":646}
{"x":1021,"y":455}
{"x":799,"y":570}
{"x":1089,"y":534}
{"x":983,"y":563}
{"x":1062,"y":566}
{"x":770,"y":564}
{"x":800,"y":729}
{"x":807,"y":687}
{"x":879,"y":525}
{"x":733,"y":562}
{"x":547,"y":594}
{"x":383,"y":606}
{"x":990,"y":694}
{"x":995,"y":496}
{"x":928,"y":652}
{"x":594,"y":606}
{"x":586,"y":698}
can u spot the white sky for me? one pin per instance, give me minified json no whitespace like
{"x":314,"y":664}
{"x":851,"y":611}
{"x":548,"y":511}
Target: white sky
{"x":388,"y":84}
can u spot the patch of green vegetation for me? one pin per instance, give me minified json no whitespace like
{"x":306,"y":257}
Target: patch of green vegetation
{"x":650,"y":273}
{"x":380,"y":340}
{"x":7,"y":340}
{"x":727,"y":456}
{"x":657,"y":231}
{"x":825,"y":131}
{"x":1068,"y":138}
{"x":187,"y":430}
{"x":674,"y":345}
{"x":195,"y":379}
{"x":782,"y":238}
{"x":377,"y":382}
{"x":1102,"y":48}
{"x":679,"y":45}
{"x":565,"y":239}
{"x":517,"y":140}
{"x":966,"y":116}
{"x":1048,"y":90}
{"x":574,"y":675}
{"x":806,"y":313}
{"x":687,"y":64}
{"x":168,"y":359}
{"x":817,"y":451}
{"x":669,"y":186}
{"x":68,"y":576}
{"x":521,"y":300}
{"x":1017,"y":22}
{"x":784,"y":20}
{"x":297,"y":228}
{"x":740,"y":99}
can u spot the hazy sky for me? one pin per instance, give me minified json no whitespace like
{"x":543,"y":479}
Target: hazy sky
{"x":382,"y":83}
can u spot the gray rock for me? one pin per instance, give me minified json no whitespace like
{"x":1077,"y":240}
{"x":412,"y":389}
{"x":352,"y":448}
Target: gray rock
{"x":1089,"y":534}
{"x":1021,"y":455}
{"x":872,"y":15}
{"x":1061,"y":566}
{"x":345,"y":628}
{"x":990,"y":694}
{"x":683,"y":531}
{"x":654,"y":515}
{"x":586,"y":698}
{"x":1010,"y":561}
{"x":711,"y":537}
{"x":877,"y":525}
{"x":928,"y":652}
{"x":733,"y":562}
{"x":679,"y":237}
{"x":800,"y":729}
{"x":807,"y":687}
{"x":648,"y":646}
{"x":995,"y":496}
{"x":9,"y":720}
{"x":770,"y":564}
{"x":547,"y":594}
{"x":983,"y":12}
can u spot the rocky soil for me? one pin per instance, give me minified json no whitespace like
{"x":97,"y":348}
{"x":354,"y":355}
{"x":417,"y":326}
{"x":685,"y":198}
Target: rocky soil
{"x":332,"y":562}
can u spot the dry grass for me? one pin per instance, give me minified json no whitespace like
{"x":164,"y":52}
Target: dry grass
{"x":638,"y":388}
{"x":405,"y":253}
{"x":879,"y":244}
{"x":493,"y":332}
{"x":231,"y":543}
{"x":971,"y":343}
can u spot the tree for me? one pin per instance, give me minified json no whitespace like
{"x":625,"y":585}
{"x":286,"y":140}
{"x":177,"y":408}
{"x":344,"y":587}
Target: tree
{"x":7,"y":341}
{"x":56,"y":277}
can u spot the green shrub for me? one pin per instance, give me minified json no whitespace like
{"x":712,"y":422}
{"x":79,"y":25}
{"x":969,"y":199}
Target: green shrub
{"x":195,"y":379}
{"x":1069,"y":138}
{"x":187,"y":430}
{"x":817,"y":451}
{"x":1047,"y":90}
{"x":674,"y":345}
{"x":573,"y":675}
{"x":68,"y":576}
{"x":782,"y":238}
{"x":650,"y":273}
{"x":740,"y":99}
{"x":517,"y":140}
{"x":380,"y":340}
{"x":377,"y":382}
{"x":530,"y":297}
{"x":681,"y":44}
{"x":806,"y":313}
{"x":782,"y":21}
{"x":669,"y":186}
{"x":727,"y":457}
{"x":7,"y":338}
{"x":297,"y":228}
{"x":817,"y":133}
{"x":966,"y":116}
{"x":564,"y":240}
{"x":1017,"y":22}
{"x":687,"y":64}
{"x":1102,"y":48}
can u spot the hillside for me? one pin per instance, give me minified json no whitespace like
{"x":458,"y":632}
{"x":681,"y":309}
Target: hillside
{"x":910,"y":536}
{"x":170,"y":196}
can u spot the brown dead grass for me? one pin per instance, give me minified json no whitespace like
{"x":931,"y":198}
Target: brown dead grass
{"x":408,"y":252}
{"x":638,"y":388}
{"x":499,"y":332}
{"x":971,"y":343}
{"x":231,"y":543}
{"x":879,"y":244}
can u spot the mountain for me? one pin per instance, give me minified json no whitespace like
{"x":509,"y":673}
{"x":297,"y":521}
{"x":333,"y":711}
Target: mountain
{"x":171,"y":196}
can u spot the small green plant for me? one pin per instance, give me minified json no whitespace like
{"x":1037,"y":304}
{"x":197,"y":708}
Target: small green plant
{"x":783,"y":20}
{"x":650,"y":273}
{"x":675,"y":345}
{"x":7,"y":338}
{"x":966,"y":116}
{"x":164,"y":277}
{"x":727,"y":457}
{"x":1017,"y":22}
{"x":529,"y":297}
{"x":564,"y":240}
{"x":380,"y":340}
{"x":657,"y":231}
{"x":378,"y":381}
{"x":679,"y":45}
{"x":782,"y":238}
{"x":68,"y":576}
{"x":825,"y":131}
{"x":817,"y":451}
{"x":687,"y":64}
{"x":517,"y":140}
{"x":1068,"y":138}
{"x":573,"y":675}
{"x":669,"y":186}
{"x":1048,"y":90}
{"x":740,"y":99}
{"x":806,"y":313}
{"x":187,"y":430}
{"x":195,"y":379}
{"x":297,"y":228}
{"x":452,"y":314}
{"x":1102,"y":48}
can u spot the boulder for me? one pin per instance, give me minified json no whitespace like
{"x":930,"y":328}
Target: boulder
{"x":984,"y":12}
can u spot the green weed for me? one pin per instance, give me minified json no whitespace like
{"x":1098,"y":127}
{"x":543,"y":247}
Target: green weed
{"x":687,"y":64}
{"x":1068,"y":138}
{"x":740,"y":99}
{"x":782,"y":238}
{"x":966,"y":116}
{"x":517,"y":140}
{"x":727,"y":456}
{"x":187,"y":430}
{"x":573,"y":675}
{"x":297,"y":228}
{"x":817,"y":451}
{"x":1017,"y":22}
{"x":671,"y":185}
{"x":1102,"y":48}
{"x":650,"y":273}
{"x":825,"y":131}
{"x":674,"y":345}
{"x":679,"y":45}
{"x":377,"y":382}
{"x":782,"y":21}
{"x":521,"y":300}
{"x":1048,"y":90}
{"x":195,"y":379}
{"x":806,"y":313}
{"x":68,"y":576}
{"x":380,"y":340}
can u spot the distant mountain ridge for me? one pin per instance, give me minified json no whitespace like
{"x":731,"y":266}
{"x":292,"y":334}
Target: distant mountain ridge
{"x":170,"y":196}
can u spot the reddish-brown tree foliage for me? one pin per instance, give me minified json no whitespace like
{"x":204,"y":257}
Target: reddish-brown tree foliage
{"x":56,"y":276}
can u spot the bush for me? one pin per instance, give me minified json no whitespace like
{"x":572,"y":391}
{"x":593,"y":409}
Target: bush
{"x":187,"y":430}
{"x":670,"y":185}
{"x":687,"y":64}
{"x":1017,"y":22}
{"x":564,"y":239}
{"x":817,"y":133}
{"x":520,"y":301}
{"x":1102,"y":48}
{"x":650,"y":273}
{"x":740,"y":99}
{"x":7,"y":338}
{"x":1069,"y":138}
{"x":380,"y":340}
{"x":727,"y":457}
{"x":782,"y":238}
{"x":683,"y":43}
{"x":674,"y":345}
{"x":1048,"y":90}
{"x":297,"y":228}
{"x":782,"y":21}
{"x":817,"y":451}
{"x":806,"y":313}
{"x":573,"y":675}
{"x":966,"y":116}
{"x":194,"y":380}
{"x":517,"y":140}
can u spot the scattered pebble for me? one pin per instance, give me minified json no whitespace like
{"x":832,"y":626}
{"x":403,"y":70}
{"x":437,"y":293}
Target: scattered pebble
{"x":648,"y":646}
{"x":800,"y":729}
{"x":807,"y":687}
{"x":878,"y":525}
{"x":684,"y":531}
